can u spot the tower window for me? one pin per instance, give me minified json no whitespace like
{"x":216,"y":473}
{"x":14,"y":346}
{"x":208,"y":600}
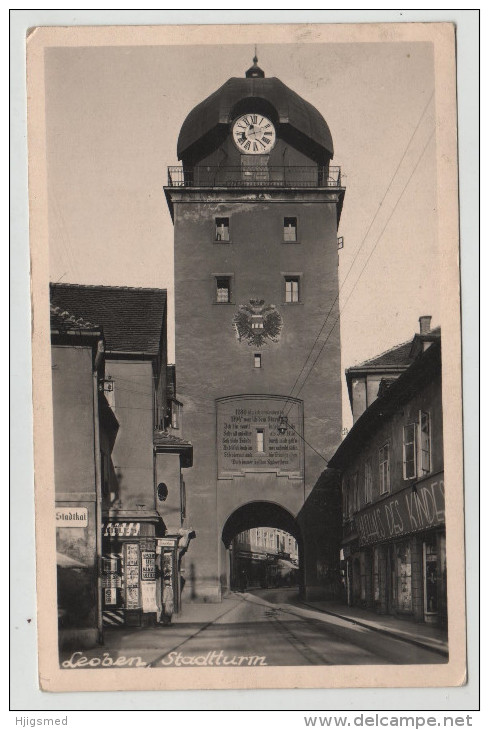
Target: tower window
{"x":223,"y":289}
{"x":290,"y":230}
{"x":292,"y":289}
{"x":222,"y":229}
{"x":257,"y":360}
{"x":260,"y":440}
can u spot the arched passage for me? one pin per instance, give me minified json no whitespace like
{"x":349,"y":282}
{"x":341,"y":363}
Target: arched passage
{"x":259,"y":514}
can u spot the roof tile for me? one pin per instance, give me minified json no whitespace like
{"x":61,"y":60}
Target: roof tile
{"x":61,"y":319}
{"x":132,"y":318}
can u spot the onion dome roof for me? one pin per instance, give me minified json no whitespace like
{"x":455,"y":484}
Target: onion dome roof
{"x":218,"y":109}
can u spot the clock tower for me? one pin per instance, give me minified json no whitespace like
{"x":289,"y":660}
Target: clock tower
{"x":255,"y":204}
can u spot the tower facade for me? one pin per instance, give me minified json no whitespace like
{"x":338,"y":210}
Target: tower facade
{"x":255,"y":206}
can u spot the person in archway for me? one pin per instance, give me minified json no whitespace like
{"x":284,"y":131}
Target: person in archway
{"x":167,"y":601}
{"x":244,"y":580}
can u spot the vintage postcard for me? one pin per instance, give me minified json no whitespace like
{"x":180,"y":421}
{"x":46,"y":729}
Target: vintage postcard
{"x":247,"y":360}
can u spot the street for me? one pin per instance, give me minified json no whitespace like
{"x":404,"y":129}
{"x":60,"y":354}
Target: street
{"x":263,"y":627}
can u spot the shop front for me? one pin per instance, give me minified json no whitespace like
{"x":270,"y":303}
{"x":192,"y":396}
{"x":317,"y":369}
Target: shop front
{"x":349,"y":564}
{"x":400,"y":564}
{"x":128,"y":577}
{"x":136,"y":566}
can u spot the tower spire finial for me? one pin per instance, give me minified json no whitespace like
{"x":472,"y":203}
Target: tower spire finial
{"x":255,"y":72}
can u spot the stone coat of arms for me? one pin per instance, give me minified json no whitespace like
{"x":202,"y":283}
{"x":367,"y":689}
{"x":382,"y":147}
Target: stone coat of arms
{"x":256,"y":322}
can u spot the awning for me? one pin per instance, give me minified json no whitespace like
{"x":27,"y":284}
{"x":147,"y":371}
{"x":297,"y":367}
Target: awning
{"x":287,"y":564}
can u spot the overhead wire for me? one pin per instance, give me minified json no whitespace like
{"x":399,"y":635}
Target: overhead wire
{"x":367,"y":261}
{"x":389,"y":186}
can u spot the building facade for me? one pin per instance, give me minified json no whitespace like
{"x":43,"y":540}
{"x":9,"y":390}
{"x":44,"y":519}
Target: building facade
{"x":142,"y":526}
{"x":391,"y":464}
{"x":264,"y":557}
{"x":83,"y":423}
{"x":255,"y":206}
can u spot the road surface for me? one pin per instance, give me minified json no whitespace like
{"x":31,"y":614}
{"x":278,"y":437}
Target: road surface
{"x":265,"y":624}
{"x":258,"y":628}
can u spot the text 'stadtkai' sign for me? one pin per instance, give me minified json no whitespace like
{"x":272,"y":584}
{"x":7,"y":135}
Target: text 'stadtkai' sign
{"x":71,"y":517}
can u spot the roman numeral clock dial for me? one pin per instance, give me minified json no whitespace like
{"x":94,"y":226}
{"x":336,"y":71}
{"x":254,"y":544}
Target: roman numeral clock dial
{"x":254,"y":134}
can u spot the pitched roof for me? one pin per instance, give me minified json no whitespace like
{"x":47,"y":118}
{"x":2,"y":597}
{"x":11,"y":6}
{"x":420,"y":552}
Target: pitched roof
{"x":165,"y":438}
{"x":166,"y":442}
{"x":393,"y":361}
{"x":397,"y":356}
{"x":63,"y":320}
{"x":425,"y":367}
{"x":132,"y":318}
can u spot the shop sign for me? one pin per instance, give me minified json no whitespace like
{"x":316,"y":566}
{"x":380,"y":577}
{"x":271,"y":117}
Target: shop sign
{"x":167,"y":542}
{"x":121,"y":529}
{"x":111,"y":580}
{"x":406,"y":512}
{"x":148,"y":597}
{"x":148,"y":565}
{"x":132,"y":555}
{"x":71,"y":517}
{"x":132,"y":576}
{"x":110,"y":596}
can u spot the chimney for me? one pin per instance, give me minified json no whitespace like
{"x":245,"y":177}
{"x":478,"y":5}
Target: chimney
{"x":424,"y":324}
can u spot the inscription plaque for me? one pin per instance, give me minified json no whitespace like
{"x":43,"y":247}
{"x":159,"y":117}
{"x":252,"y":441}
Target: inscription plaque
{"x":248,"y":439}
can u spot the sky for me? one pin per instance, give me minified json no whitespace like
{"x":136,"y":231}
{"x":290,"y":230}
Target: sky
{"x":113,"y":115}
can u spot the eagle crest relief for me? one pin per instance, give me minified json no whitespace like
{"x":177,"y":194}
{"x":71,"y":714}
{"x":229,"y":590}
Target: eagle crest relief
{"x":257,"y":323}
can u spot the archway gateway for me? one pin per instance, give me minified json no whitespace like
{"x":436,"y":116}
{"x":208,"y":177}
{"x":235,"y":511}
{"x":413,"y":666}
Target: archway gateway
{"x":257,"y":514}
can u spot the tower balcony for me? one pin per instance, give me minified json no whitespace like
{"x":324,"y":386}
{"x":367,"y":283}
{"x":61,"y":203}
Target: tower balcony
{"x":249,"y":176}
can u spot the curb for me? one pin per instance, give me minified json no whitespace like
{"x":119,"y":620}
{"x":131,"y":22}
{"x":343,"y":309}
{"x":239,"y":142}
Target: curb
{"x":416,"y":642}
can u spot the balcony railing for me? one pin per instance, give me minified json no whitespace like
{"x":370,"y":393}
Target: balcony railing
{"x":310,"y":176}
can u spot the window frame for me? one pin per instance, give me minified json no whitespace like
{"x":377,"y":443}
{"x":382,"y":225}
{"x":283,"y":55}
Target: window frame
{"x":176,"y":413}
{"x":384,"y":484}
{"x":222,"y":218}
{"x":421,"y":471}
{"x":215,"y":283}
{"x":355,"y":506}
{"x":368,"y":481}
{"x":293,"y":277}
{"x":262,"y":430}
{"x":257,"y":359}
{"x":296,"y":228}
{"x":406,"y":474}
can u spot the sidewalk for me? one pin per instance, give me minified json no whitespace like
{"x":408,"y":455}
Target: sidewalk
{"x":420,"y":634}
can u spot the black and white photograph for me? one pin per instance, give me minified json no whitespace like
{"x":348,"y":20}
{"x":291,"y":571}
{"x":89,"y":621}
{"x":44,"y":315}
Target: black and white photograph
{"x":247,"y":366}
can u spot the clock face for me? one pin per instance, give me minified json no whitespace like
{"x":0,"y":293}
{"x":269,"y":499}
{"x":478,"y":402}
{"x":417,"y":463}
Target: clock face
{"x":254,"y":134}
